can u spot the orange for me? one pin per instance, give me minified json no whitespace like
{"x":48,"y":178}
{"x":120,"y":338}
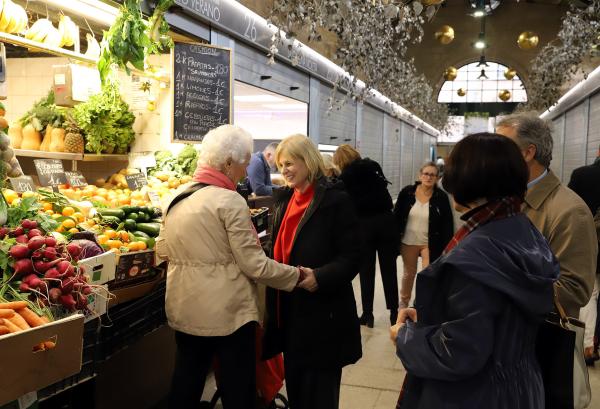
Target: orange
{"x":133,"y":246}
{"x":102,"y":239}
{"x":10,"y":195}
{"x":47,"y":206}
{"x":114,"y":244}
{"x":68,"y":211}
{"x":60,"y":229}
{"x":142,"y":245}
{"x":91,"y":222}
{"x":68,"y":223}
{"x":78,"y":216}
{"x":111,"y":234}
{"x":74,"y":230}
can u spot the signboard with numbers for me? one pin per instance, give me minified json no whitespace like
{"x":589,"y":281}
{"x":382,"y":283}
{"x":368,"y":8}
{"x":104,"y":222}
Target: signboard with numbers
{"x":136,"y":181}
{"x":22,"y":184}
{"x":76,"y":179}
{"x":50,"y":172}
{"x":202,"y":97}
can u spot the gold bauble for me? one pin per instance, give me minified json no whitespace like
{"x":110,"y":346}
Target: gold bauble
{"x":450,"y":74}
{"x":445,"y":35}
{"x":461,"y":92}
{"x":431,"y":2}
{"x":528,"y":40}
{"x":510,"y":73}
{"x":504,"y":95}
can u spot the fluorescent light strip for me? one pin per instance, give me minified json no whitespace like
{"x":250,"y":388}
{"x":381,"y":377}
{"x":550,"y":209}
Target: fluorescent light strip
{"x":287,"y":107}
{"x":94,"y":10}
{"x":257,"y":98}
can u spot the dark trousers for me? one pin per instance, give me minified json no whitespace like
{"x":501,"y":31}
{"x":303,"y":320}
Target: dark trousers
{"x":236,"y":357}
{"x":380,"y":238}
{"x":312,"y":388}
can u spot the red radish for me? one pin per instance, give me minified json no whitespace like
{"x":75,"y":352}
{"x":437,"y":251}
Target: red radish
{"x":24,"y":287}
{"x":19,"y":251}
{"x":52,"y":274}
{"x":74,"y":249}
{"x":62,"y":266}
{"x":27,"y":279}
{"x":68,"y":301}
{"x":41,"y":266}
{"x":23,"y":239}
{"x":34,"y":282}
{"x":38,"y":254}
{"x":54,"y":294}
{"x":87,"y":290}
{"x":26,"y":224}
{"x":4,"y":231}
{"x":82,"y":302}
{"x":50,"y":241}
{"x":36,"y":242}
{"x":43,"y":287}
{"x":33,"y":233}
{"x":50,"y":253}
{"x":67,"y":285}
{"x":23,"y":266}
{"x":17,"y":232}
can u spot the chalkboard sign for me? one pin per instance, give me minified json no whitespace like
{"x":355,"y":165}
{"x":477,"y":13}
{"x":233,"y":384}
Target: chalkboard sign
{"x":202,"y":96}
{"x":50,"y":172}
{"x":22,"y":184}
{"x":76,"y":179}
{"x":136,"y":181}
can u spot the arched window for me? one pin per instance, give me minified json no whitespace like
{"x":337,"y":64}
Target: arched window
{"x":480,"y":89}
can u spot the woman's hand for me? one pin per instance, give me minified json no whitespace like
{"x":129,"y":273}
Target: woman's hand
{"x":309,"y":281}
{"x":405,"y":314}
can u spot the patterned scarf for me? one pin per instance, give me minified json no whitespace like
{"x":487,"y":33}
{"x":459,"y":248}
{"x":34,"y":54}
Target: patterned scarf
{"x":496,"y":210}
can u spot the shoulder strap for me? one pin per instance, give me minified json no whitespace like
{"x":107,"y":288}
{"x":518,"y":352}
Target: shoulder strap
{"x":186,"y":193}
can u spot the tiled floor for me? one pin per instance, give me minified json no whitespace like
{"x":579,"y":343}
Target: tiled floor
{"x":374,"y":382}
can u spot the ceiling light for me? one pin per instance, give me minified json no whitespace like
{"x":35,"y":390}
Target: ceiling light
{"x":257,"y":98}
{"x":482,"y":76}
{"x":479,"y":13}
{"x":480,"y":44}
{"x":94,"y":10}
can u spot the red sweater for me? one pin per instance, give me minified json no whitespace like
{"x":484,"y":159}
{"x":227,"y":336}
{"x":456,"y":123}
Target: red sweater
{"x":293,"y":214}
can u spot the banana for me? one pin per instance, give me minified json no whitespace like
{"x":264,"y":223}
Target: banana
{"x":62,"y":29}
{"x":53,"y":37}
{"x":1,"y":7}
{"x":21,"y":16}
{"x":12,"y":23}
{"x":93,"y":48}
{"x":5,"y":19}
{"x":39,"y":30}
{"x":73,"y":30}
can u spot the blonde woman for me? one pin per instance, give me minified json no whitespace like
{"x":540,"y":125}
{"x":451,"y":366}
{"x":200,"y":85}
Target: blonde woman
{"x":331,"y":171}
{"x":314,"y":225}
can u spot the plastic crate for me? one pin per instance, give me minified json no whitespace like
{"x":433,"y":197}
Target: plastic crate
{"x":126,"y":323}
{"x":89,"y":361}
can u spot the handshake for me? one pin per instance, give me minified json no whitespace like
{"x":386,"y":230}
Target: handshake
{"x":307,"y":279}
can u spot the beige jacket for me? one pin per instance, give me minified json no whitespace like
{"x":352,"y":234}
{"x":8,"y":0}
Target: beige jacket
{"x":566,"y":222}
{"x":215,"y":262}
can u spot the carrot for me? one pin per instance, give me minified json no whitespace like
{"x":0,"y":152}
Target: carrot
{"x":19,"y":321}
{"x":31,"y":317}
{"x":14,"y":305}
{"x":11,"y":327}
{"x":6,"y":313}
{"x":4,"y":330}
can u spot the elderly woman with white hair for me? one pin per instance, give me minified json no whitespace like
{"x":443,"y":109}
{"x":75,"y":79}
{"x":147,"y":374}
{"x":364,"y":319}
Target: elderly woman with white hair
{"x":215,"y":262}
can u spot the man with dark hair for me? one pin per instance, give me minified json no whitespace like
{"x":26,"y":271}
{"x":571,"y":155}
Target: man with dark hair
{"x":557,"y":212}
{"x":259,"y":171}
{"x":584,"y":182}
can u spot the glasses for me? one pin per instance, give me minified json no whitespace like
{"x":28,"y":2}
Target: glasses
{"x":431,"y":175}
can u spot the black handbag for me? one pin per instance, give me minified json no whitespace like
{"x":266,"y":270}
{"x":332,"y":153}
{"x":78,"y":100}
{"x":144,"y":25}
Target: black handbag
{"x":559,"y":349}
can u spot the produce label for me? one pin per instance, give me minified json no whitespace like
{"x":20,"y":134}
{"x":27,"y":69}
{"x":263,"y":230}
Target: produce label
{"x":134,"y":266}
{"x":50,"y":172}
{"x":154,"y":198}
{"x":22,"y":184}
{"x":136,"y":181}
{"x":202,"y":97}
{"x":76,"y":179}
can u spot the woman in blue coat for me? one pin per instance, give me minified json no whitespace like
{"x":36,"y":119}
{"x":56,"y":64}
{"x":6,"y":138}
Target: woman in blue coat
{"x":470,"y":341}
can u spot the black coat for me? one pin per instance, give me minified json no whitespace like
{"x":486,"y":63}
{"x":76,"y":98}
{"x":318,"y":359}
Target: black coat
{"x":441,"y":220}
{"x":479,"y":308}
{"x":320,"y":329}
{"x":584,"y":182}
{"x":367,"y":186}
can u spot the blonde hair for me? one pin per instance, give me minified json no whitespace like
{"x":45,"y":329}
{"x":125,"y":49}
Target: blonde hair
{"x":345,"y":155}
{"x":300,"y":147}
{"x":330,"y":169}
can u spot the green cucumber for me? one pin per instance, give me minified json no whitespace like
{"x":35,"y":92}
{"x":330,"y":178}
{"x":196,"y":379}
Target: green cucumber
{"x":130,"y":225}
{"x":151,"y":229}
{"x":112,"y":212}
{"x":140,"y":234}
{"x":130,"y":209}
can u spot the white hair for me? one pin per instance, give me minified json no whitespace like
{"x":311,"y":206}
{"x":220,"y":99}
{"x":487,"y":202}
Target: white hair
{"x":224,"y":143}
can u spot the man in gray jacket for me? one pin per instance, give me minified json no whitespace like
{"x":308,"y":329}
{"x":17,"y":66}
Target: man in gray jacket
{"x":559,"y":213}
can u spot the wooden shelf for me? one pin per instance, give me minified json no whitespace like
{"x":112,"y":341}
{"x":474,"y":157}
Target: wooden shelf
{"x":48,"y":155}
{"x":90,"y":157}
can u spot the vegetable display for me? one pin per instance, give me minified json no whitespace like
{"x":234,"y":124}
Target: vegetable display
{"x":178,"y":166}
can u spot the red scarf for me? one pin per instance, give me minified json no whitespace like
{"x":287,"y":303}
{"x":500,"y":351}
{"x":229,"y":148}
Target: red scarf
{"x":496,"y":210}
{"x":211,"y":176}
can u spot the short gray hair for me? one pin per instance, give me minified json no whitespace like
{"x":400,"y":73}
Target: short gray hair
{"x":532,"y":130}
{"x":224,"y":143}
{"x":272,"y":146}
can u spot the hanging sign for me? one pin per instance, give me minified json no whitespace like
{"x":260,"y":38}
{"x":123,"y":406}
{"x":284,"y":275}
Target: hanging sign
{"x":50,"y":172}
{"x":136,"y":181}
{"x":202,"y":77}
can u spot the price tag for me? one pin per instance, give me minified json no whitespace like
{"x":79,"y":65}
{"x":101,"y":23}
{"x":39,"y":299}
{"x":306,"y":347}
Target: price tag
{"x":50,"y":172}
{"x":26,"y":401}
{"x":22,"y":184}
{"x":136,"y":181}
{"x":154,"y":198}
{"x":76,"y":179}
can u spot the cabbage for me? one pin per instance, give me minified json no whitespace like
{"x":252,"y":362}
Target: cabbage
{"x":88,"y":248}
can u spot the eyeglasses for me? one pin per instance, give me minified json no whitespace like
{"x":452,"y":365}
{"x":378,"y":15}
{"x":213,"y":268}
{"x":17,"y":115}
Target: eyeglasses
{"x":431,"y":175}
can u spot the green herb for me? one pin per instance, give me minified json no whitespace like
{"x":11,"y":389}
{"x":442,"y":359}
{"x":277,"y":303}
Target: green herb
{"x":106,"y":121}
{"x":43,"y":113}
{"x":29,"y":208}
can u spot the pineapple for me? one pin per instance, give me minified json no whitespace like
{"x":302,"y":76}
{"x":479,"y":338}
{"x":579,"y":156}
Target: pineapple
{"x":74,"y":142}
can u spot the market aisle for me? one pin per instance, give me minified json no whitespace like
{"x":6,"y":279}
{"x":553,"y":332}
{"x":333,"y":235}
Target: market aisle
{"x":374,"y":382}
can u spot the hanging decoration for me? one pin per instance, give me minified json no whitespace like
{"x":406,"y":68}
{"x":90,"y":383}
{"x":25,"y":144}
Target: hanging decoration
{"x":510,"y":73}
{"x":560,"y":60}
{"x":444,"y":35}
{"x":461,"y":92}
{"x":372,"y":42}
{"x":528,"y":40}
{"x":450,"y":74}
{"x":504,"y":95}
